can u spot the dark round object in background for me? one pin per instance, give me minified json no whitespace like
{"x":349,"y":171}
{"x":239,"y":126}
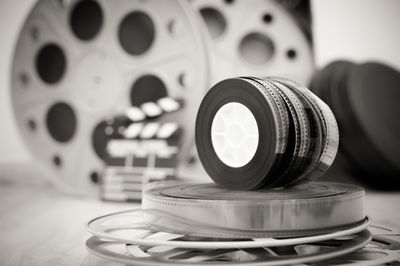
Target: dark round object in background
{"x":256,"y":48}
{"x":148,"y":88}
{"x":215,"y":21}
{"x":94,"y":177}
{"x":365,"y":99}
{"x":106,"y":130}
{"x":50,"y":63}
{"x":61,"y":122}
{"x":86,"y":19}
{"x":136,"y":33}
{"x":267,"y":18}
{"x":57,"y":161}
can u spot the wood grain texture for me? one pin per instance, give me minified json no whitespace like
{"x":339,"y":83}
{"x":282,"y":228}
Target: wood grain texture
{"x":39,"y":225}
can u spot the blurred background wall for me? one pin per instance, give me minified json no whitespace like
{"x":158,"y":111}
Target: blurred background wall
{"x":358,"y":30}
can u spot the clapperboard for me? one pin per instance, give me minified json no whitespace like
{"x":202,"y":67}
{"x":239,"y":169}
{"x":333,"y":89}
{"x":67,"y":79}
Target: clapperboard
{"x":144,"y":151}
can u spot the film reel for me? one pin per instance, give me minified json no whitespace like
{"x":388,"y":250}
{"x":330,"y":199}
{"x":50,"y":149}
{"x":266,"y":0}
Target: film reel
{"x":382,"y":249}
{"x":145,"y":255}
{"x":139,"y":237}
{"x":302,"y":210}
{"x":157,"y":228}
{"x":271,"y":132}
{"x":255,"y":38}
{"x":77,"y":63}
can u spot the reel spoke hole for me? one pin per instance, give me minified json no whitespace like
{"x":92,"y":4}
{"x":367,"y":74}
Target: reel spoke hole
{"x":182,"y":80}
{"x":136,"y":33}
{"x":32,"y":125}
{"x":291,"y":54}
{"x":51,"y":63}
{"x":257,"y":48}
{"x":24,"y":79}
{"x":57,"y":161}
{"x":86,"y":19}
{"x":148,"y":88}
{"x":61,"y":122}
{"x":94,"y":177}
{"x":267,"y":18}
{"x":174,"y":27}
{"x":215,"y":21}
{"x":35,"y":34}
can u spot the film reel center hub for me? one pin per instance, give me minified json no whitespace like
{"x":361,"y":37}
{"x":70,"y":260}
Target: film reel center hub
{"x":233,"y":128}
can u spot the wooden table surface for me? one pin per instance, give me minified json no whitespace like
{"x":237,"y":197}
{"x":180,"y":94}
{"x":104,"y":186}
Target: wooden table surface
{"x":39,"y":225}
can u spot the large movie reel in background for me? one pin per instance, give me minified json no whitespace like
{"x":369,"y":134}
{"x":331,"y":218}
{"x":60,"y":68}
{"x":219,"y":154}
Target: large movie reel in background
{"x":257,"y":38}
{"x":77,"y":63}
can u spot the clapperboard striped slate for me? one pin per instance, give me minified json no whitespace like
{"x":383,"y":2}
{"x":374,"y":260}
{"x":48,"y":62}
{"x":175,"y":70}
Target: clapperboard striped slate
{"x":143,"y":151}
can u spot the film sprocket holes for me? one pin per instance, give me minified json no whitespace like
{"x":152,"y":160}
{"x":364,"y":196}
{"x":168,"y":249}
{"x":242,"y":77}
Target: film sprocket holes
{"x":297,"y":133}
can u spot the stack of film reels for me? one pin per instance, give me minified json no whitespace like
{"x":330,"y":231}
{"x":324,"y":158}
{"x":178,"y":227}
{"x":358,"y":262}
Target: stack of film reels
{"x":85,"y":70}
{"x":263,"y":141}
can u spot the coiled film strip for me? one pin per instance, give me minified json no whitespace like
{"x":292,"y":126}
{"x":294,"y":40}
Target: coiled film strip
{"x":139,"y":237}
{"x":264,"y":132}
{"x":352,"y":250}
{"x":152,"y":237}
{"x":135,"y":227}
{"x":140,"y":255}
{"x":302,"y":210}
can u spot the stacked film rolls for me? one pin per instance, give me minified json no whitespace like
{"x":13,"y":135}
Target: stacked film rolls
{"x":286,"y":221}
{"x":309,"y":209}
{"x":264,"y":132}
{"x":271,"y":136}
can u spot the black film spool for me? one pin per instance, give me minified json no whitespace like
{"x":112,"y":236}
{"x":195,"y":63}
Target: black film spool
{"x":251,"y":175}
{"x":296,"y":132}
